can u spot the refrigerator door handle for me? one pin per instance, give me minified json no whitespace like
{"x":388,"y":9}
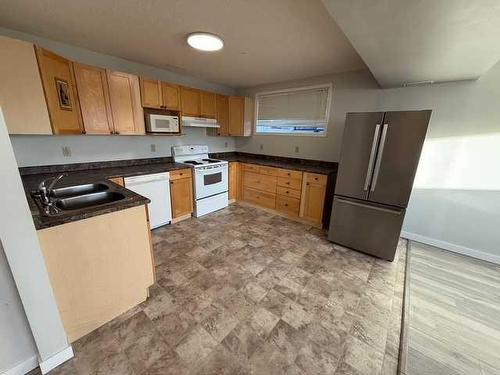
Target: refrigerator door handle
{"x":394,"y":212}
{"x":372,"y":157}
{"x":379,"y":157}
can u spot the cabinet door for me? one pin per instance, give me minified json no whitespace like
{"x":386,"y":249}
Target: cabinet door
{"x":222,"y":114}
{"x":171,"y":96}
{"x":236,"y":113}
{"x":125,"y":101}
{"x":60,"y":92}
{"x":93,"y":91}
{"x":312,"y":201}
{"x":151,"y":93}
{"x":233,"y":180}
{"x":181,"y":192}
{"x":21,"y":88}
{"x":190,"y":102}
{"x":207,"y":104}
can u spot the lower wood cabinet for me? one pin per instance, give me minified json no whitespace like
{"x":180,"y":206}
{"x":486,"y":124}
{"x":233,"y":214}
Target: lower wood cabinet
{"x":297,"y":195}
{"x":313,"y":197}
{"x":234,"y":181}
{"x":181,"y":193}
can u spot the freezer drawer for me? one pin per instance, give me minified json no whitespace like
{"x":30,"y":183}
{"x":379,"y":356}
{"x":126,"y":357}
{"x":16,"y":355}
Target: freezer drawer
{"x":367,"y":227}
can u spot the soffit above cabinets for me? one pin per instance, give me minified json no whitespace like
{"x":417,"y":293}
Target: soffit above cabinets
{"x":264,"y":41}
{"x":422,"y":40}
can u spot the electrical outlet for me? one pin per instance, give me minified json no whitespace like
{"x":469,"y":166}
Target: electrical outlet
{"x":153,"y":147}
{"x":297,"y":149}
{"x":225,"y":144}
{"x":261,"y":146}
{"x":66,"y":151}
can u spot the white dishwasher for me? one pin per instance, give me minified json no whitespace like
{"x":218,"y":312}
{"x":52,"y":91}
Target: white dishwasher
{"x":155,"y":187}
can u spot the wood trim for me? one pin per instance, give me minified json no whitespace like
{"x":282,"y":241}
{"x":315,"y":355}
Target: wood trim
{"x":181,"y":218}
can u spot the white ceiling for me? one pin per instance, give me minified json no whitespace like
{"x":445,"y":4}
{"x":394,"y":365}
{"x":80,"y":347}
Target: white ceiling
{"x":418,"y":40}
{"x":265,"y":41}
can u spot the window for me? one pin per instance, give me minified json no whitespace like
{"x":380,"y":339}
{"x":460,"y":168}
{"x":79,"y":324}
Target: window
{"x":301,"y":111}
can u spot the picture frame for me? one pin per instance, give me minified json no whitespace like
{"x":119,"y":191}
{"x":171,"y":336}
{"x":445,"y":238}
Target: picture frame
{"x":63,"y":94}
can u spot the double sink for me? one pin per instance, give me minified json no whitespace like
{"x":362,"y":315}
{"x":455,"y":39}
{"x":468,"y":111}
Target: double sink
{"x":78,"y":197}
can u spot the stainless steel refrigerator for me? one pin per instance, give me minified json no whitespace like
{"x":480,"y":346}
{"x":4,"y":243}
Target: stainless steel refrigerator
{"x":379,"y":158}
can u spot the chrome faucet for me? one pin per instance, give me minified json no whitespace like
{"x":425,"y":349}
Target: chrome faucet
{"x":45,"y":191}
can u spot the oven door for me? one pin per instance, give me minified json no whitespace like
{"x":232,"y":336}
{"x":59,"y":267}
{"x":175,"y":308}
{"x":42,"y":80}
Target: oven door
{"x":210,"y":180}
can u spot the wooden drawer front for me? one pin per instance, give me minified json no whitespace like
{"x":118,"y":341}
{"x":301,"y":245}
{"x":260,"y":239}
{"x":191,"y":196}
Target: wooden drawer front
{"x":288,"y":205}
{"x":270,"y":171}
{"x":290,"y":183}
{"x":315,"y":178}
{"x":180,"y":173}
{"x":287,"y":192}
{"x":258,"y":197}
{"x":251,"y":168}
{"x":259,"y":182}
{"x":288,"y":173}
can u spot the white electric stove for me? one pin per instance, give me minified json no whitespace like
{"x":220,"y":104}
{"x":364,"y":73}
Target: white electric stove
{"x":210,"y":178}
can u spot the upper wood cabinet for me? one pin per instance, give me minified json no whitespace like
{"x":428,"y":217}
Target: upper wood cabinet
{"x":171,"y":96}
{"x":190,"y":102}
{"x":240,"y":116}
{"x":125,"y":99}
{"x":207,"y":104}
{"x":21,"y":92}
{"x":222,"y":114}
{"x":60,"y":92}
{"x":151,"y":95}
{"x":161,"y":95}
{"x":93,"y":92}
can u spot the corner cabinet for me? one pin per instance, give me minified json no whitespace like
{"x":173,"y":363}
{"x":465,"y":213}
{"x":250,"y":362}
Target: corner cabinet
{"x":181,"y":194}
{"x":60,"y":92}
{"x":241,"y":116}
{"x":125,"y":99}
{"x":21,"y":93}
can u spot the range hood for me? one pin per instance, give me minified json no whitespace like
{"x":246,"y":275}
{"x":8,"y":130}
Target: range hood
{"x":199,"y":122}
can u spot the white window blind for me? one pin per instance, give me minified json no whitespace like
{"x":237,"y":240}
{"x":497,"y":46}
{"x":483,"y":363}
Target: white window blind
{"x":296,"y":111}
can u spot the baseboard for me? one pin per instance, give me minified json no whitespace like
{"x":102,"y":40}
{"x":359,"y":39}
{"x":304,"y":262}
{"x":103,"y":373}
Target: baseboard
{"x":478,"y":254}
{"x":56,"y":360}
{"x":23,"y":367}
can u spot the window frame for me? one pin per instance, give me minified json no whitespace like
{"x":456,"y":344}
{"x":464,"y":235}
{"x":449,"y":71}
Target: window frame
{"x":328,"y":109}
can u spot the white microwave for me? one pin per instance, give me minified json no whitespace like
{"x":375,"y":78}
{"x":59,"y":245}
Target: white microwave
{"x":157,"y":122}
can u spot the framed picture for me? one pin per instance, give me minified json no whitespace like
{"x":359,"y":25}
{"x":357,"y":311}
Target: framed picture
{"x":63,"y":89}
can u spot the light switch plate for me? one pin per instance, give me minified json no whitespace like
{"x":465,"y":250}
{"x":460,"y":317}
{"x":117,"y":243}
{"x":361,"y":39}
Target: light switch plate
{"x":261,"y":146}
{"x":297,"y":149}
{"x":153,"y":147}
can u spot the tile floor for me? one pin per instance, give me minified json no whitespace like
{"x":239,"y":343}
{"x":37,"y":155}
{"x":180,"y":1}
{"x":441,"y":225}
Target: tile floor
{"x":242,"y":291}
{"x":454,"y":305}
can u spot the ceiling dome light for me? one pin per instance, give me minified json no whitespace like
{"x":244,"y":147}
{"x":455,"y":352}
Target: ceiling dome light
{"x":205,"y":41}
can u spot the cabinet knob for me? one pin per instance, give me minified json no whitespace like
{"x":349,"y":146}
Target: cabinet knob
{"x":287,"y":192}
{"x":288,"y":173}
{"x":307,"y":183}
{"x":288,"y":183}
{"x":286,"y":204}
{"x":316,"y":178}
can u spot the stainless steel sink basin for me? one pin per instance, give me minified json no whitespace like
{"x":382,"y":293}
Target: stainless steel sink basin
{"x":72,"y":191}
{"x":88,"y":200}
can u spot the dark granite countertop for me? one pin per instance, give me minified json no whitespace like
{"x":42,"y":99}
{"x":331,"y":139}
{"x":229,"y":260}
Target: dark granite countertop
{"x":305,"y":165}
{"x":85,"y":173}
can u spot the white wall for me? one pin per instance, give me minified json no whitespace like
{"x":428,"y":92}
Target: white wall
{"x":455,"y":203}
{"x":40,"y":150}
{"x":16,"y":341}
{"x":23,"y":253}
{"x":353,"y":91}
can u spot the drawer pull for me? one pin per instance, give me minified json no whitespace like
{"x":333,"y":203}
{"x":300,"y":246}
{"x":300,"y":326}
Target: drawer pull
{"x":288,"y":173}
{"x":316,"y":178}
{"x":286,"y":204}
{"x":288,"y":183}
{"x":287,"y":192}
{"x":307,"y":183}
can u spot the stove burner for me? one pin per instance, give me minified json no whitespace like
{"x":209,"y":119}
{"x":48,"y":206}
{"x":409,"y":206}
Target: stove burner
{"x":194,"y":162}
{"x":212,"y":160}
